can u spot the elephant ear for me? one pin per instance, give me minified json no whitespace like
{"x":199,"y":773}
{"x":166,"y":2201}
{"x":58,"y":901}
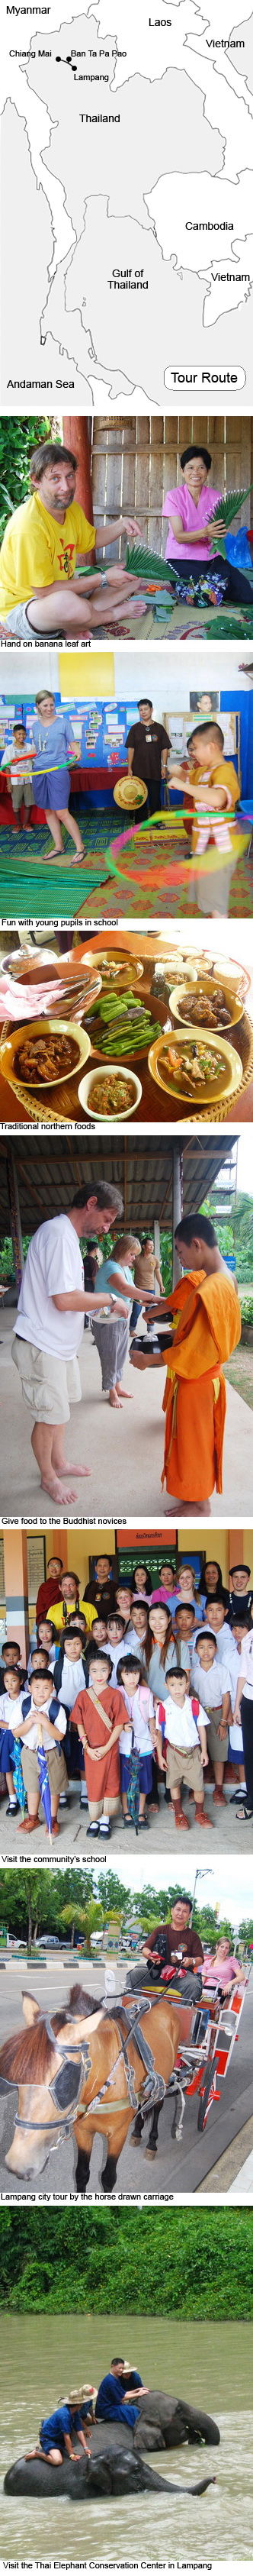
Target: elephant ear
{"x":31,"y":2009}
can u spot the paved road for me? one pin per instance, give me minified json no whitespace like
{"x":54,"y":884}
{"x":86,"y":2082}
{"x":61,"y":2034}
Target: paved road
{"x":177,"y":2169}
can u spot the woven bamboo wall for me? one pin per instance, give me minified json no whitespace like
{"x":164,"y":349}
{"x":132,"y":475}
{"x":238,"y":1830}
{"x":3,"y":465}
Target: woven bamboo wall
{"x":134,"y":463}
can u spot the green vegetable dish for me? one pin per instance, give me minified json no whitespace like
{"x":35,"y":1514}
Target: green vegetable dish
{"x":110,"y":1095}
{"x":121,"y":1022}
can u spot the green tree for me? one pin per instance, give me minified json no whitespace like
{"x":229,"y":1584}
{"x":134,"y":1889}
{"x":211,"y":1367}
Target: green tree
{"x":82,"y":1918}
{"x":189,"y":2263}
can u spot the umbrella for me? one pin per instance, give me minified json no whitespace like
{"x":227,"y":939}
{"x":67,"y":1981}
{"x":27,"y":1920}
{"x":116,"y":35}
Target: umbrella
{"x":133,"y":1793}
{"x":45,"y":1793}
{"x":19,"y":1784}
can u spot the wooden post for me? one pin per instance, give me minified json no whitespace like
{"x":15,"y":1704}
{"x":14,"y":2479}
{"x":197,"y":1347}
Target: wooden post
{"x":16,"y":1231}
{"x":76,"y":436}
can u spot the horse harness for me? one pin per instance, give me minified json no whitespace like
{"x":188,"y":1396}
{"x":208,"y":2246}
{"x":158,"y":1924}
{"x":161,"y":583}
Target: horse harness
{"x":127,"y":2023}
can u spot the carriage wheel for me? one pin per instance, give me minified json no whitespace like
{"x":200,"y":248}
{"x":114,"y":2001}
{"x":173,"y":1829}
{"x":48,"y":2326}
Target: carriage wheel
{"x":209,"y":2087}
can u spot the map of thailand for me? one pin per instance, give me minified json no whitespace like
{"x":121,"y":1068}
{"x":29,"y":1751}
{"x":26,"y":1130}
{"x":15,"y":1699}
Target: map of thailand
{"x":127,"y":136}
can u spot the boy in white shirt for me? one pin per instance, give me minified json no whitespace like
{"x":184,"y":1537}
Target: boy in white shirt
{"x":211,"y":1675}
{"x":41,"y":1726}
{"x":10,"y":1710}
{"x":186,"y":1749}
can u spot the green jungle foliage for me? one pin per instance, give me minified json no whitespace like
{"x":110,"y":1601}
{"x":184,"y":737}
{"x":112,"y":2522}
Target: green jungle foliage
{"x":172,"y":2262}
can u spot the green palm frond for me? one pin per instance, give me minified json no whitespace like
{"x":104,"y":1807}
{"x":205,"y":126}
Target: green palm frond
{"x":229,"y":509}
{"x":148,"y":567}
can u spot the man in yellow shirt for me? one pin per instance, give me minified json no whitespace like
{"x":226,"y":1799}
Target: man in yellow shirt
{"x":63,"y":1610}
{"x":45,"y":541}
{"x":211,"y":785}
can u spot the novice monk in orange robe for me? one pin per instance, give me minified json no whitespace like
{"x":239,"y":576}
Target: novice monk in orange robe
{"x":207,"y":1328}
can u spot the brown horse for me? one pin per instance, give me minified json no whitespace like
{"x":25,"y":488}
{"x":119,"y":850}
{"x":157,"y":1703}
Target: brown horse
{"x":89,"y":2069}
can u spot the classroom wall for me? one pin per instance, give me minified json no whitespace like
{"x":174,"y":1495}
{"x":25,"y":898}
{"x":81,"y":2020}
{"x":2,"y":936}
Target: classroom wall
{"x":94,"y":678}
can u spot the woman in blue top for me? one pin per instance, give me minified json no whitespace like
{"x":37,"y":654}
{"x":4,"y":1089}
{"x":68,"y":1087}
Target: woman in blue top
{"x":111,"y":1336}
{"x":56,"y":2431}
{"x":53,"y":738}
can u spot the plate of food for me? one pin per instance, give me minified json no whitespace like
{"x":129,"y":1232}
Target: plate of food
{"x":209,"y":1004}
{"x":123,"y":1021}
{"x":197,"y":1068}
{"x":115,"y":967}
{"x":43,"y":1053}
{"x":113,"y":1092}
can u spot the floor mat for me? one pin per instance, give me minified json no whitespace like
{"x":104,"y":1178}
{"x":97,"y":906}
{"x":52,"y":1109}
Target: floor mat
{"x":29,"y":888}
{"x":127,"y":886}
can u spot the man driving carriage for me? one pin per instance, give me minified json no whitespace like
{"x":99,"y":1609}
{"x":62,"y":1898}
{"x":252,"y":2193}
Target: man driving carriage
{"x":174,"y":1944}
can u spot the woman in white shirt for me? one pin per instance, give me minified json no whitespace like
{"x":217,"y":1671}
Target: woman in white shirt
{"x":244,"y":1707}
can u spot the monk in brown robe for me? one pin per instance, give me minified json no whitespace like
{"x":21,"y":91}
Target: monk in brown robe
{"x":206,"y":1326}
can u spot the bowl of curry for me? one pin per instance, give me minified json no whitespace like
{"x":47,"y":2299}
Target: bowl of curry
{"x":43,"y":1053}
{"x":111,"y":1091}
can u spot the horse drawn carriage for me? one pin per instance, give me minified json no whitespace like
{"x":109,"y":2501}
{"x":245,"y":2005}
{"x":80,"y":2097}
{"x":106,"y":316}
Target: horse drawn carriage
{"x":209,"y":2023}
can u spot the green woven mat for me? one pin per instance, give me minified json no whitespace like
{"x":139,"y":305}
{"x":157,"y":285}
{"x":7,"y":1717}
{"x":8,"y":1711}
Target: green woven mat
{"x":29,"y":888}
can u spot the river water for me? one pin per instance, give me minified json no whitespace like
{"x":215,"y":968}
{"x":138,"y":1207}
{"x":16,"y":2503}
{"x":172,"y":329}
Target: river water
{"x":42,"y":2356}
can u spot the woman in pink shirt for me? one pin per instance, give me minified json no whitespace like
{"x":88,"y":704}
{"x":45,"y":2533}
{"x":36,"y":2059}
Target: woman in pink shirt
{"x":191,"y":541}
{"x":222,"y":1968}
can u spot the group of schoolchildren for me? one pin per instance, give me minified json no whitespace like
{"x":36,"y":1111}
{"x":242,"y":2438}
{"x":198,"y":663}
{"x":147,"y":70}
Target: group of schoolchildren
{"x":160,"y":1675}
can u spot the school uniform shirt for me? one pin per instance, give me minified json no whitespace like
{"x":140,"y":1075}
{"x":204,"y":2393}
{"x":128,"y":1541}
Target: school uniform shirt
{"x":224,"y":1641}
{"x":181,"y":1727}
{"x":140,"y":1708}
{"x":51,"y":1660}
{"x":7,"y":1707}
{"x":147,"y":742}
{"x":6,"y":1722}
{"x":19,"y":763}
{"x":36,"y":551}
{"x":53,"y":1266}
{"x":72,"y":1680}
{"x":51,"y":1708}
{"x":212,"y":1684}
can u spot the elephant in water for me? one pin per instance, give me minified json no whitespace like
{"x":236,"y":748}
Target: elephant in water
{"x":116,"y":2465}
{"x":110,"y":2473}
{"x":164,"y":2423}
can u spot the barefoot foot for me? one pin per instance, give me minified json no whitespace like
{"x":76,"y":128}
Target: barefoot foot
{"x":58,"y":1494}
{"x":115,"y":1400}
{"x":123,"y":1391}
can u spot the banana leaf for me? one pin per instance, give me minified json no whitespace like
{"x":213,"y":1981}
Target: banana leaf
{"x":149,"y":567}
{"x":228,"y":510}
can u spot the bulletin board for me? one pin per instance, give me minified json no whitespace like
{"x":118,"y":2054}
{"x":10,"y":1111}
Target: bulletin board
{"x":152,"y":1557}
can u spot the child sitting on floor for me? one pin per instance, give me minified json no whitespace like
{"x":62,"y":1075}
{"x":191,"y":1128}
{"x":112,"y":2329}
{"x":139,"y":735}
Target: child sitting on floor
{"x":186,"y":1748}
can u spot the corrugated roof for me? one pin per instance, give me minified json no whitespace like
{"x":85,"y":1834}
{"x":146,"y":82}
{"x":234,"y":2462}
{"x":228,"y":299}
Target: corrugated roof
{"x":49,"y":1170}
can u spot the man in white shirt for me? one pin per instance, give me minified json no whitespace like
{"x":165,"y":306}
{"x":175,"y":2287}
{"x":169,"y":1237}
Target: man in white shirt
{"x":186,"y":1749}
{"x":49,"y":1328}
{"x":211,"y":1674}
